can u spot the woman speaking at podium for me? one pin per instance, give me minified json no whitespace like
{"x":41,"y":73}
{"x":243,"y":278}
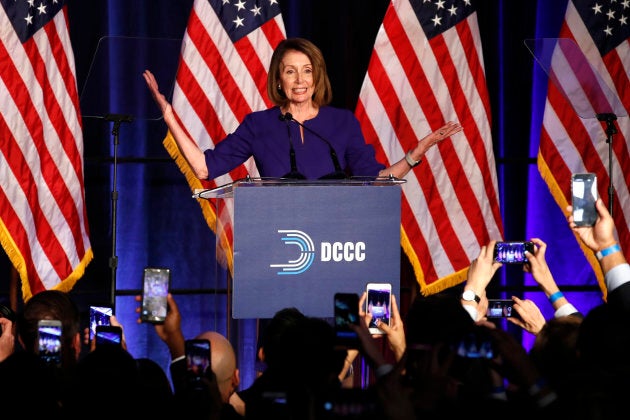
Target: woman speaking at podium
{"x":301,"y":136}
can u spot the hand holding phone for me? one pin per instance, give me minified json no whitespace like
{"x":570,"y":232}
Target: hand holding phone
{"x":156,"y":284}
{"x":379,"y":304}
{"x":99,"y":315}
{"x":108,"y":335}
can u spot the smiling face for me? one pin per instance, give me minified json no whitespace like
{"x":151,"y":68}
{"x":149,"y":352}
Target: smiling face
{"x":296,"y":77}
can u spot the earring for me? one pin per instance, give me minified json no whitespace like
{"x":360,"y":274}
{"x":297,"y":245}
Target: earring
{"x":279,"y":87}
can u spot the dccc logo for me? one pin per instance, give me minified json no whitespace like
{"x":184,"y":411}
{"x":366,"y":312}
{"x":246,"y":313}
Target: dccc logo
{"x":335,"y":251}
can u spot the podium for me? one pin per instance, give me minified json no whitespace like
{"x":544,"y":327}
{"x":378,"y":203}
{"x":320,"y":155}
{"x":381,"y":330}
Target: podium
{"x":295,"y":243}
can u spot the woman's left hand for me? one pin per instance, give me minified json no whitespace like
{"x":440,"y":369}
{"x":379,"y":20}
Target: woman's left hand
{"x":440,"y":134}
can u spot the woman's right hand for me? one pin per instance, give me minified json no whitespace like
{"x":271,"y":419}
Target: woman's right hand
{"x":158,"y":97}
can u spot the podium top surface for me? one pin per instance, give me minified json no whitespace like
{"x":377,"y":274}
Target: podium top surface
{"x":227,"y":190}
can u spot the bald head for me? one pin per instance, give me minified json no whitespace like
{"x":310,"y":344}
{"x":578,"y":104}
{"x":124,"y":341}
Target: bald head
{"x":223,"y":362}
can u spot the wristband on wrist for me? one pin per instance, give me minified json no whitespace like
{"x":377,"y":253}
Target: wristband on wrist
{"x":607,"y":251}
{"x":410,"y":161}
{"x":555,"y":296}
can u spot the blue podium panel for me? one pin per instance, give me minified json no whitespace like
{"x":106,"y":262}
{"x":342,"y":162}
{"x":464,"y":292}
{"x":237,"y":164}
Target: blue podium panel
{"x":297,"y":245}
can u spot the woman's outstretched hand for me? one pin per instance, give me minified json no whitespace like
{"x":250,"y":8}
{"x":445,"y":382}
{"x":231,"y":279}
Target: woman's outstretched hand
{"x":158,"y":97}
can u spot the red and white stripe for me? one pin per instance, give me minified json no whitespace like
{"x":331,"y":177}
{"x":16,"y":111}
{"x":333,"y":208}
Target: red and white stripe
{"x":43,"y":221}
{"x":218,"y":82}
{"x":450,"y":204}
{"x":572,"y":144}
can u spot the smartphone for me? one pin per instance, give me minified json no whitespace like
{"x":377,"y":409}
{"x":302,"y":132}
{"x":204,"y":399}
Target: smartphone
{"x":500,"y":308}
{"x":346,"y":312}
{"x":477,"y":344}
{"x":108,"y":335}
{"x":198,"y":356}
{"x":379,"y":304}
{"x":583,"y":197}
{"x":99,"y":315}
{"x":512,"y":252}
{"x":351,"y":403}
{"x":155,"y":287}
{"x":49,"y":341}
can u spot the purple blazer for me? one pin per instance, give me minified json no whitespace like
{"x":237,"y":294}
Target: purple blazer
{"x":263,"y":135}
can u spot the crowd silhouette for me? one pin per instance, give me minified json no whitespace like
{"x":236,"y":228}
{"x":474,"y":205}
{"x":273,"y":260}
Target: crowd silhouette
{"x":444,"y":359}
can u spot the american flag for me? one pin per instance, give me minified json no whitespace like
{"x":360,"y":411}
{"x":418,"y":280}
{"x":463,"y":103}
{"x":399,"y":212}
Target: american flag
{"x":44,"y":228}
{"x":573,"y":139}
{"x":427,"y":68}
{"x":222,"y":77}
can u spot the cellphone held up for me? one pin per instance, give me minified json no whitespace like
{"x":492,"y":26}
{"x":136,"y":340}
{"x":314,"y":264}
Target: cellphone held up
{"x":155,"y":287}
{"x":500,"y":308}
{"x":99,"y":315}
{"x":49,"y":341}
{"x":198,"y":357}
{"x":512,"y":252}
{"x":346,"y":312}
{"x":583,"y":197}
{"x":108,"y":335}
{"x":379,"y":304}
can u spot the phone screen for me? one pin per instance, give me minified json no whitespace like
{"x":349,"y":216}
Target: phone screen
{"x":346,"y":312}
{"x":198,"y":356}
{"x":108,"y":335}
{"x":378,"y":304}
{"x":475,"y":345}
{"x":500,"y":308}
{"x":99,"y":315}
{"x":156,"y":282}
{"x":49,"y":341}
{"x":583,"y":197}
{"x":512,"y":252}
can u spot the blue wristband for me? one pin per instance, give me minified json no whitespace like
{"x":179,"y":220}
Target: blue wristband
{"x":555,"y":297}
{"x":607,"y":251}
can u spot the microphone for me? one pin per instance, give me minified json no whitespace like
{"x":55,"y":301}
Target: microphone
{"x":118,"y":117}
{"x":339,"y":173}
{"x":294,"y":174}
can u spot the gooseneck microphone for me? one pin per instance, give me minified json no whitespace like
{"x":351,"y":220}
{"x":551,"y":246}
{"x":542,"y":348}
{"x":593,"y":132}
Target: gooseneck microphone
{"x":294,"y":174}
{"x":339,"y":173}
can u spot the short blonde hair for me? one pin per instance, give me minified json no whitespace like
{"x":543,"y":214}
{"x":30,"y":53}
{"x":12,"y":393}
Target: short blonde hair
{"x":323,"y":91}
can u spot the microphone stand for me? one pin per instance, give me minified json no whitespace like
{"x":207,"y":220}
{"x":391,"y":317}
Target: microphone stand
{"x":117,"y":119}
{"x":293,"y":174}
{"x":609,"y":119}
{"x":339,"y":173}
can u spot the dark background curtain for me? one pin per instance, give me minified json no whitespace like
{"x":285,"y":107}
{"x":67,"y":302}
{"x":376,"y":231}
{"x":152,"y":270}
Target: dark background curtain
{"x":158,"y":223}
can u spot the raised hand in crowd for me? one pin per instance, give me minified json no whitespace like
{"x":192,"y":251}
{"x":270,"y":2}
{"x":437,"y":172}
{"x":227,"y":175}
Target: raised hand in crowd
{"x":480,"y":273}
{"x":537,"y":266}
{"x":601,"y":238}
{"x":7,"y":332}
{"x":514,"y":363}
{"x":530,"y":318}
{"x":394,"y":332}
{"x":170,"y":331}
{"x":114,"y":322}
